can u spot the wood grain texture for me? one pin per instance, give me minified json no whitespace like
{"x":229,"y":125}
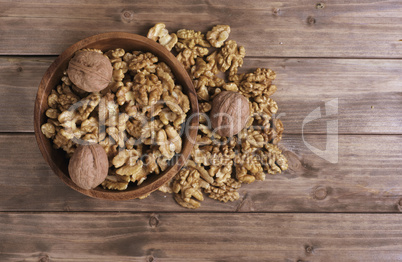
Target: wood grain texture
{"x":288,"y":28}
{"x":365,"y":179}
{"x":344,"y":51}
{"x":369,"y":92}
{"x":200,"y":237}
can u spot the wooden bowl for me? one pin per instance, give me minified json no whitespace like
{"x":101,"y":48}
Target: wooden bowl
{"x":129,"y":42}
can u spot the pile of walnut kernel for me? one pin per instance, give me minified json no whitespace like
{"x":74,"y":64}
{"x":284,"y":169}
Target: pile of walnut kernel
{"x":136,"y":119}
{"x":144,"y":103}
{"x":219,"y":165}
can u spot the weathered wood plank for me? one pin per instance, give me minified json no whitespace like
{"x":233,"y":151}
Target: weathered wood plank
{"x":288,"y":28}
{"x":365,"y":179}
{"x":200,"y":237}
{"x":369,"y":92}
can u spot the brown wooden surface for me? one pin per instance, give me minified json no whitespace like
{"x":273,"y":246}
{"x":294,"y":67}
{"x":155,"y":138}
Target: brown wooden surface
{"x":200,"y":237}
{"x":360,"y":28}
{"x":315,"y":211}
{"x":368,"y":92}
{"x":366,"y":179}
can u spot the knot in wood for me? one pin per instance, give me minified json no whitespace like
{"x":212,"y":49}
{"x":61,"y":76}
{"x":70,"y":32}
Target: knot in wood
{"x":127,"y":16}
{"x":153,"y":221}
{"x":320,"y":193}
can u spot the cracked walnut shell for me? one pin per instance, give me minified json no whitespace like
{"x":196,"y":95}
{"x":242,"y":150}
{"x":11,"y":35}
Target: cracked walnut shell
{"x":88,"y":166}
{"x":229,"y":114}
{"x":90,"y":71}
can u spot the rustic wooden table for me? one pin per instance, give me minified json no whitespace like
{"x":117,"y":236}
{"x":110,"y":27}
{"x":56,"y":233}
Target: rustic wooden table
{"x":339,"y":201}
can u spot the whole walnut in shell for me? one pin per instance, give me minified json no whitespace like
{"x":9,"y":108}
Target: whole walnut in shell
{"x":90,"y":71}
{"x":229,"y":113}
{"x":88,"y":166}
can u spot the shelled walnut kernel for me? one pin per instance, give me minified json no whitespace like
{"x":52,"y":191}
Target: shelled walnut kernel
{"x":141,"y":107}
{"x":219,"y":165}
{"x":130,"y":110}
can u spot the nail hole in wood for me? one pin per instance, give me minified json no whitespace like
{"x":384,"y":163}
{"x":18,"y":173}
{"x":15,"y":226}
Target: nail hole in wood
{"x":311,"y":20}
{"x":276,"y":11}
{"x":309,"y":249}
{"x":45,"y":258}
{"x":399,"y":205}
{"x":320,"y":5}
{"x":66,"y":207}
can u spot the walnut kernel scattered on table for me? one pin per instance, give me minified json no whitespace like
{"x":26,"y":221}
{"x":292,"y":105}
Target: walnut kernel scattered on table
{"x":143,"y":103}
{"x":219,"y":165}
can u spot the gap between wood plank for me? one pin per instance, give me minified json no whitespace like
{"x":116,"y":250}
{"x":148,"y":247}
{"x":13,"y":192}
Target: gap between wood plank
{"x":290,"y":134}
{"x":325,"y":57}
{"x":197,"y":212}
{"x":246,"y":57}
